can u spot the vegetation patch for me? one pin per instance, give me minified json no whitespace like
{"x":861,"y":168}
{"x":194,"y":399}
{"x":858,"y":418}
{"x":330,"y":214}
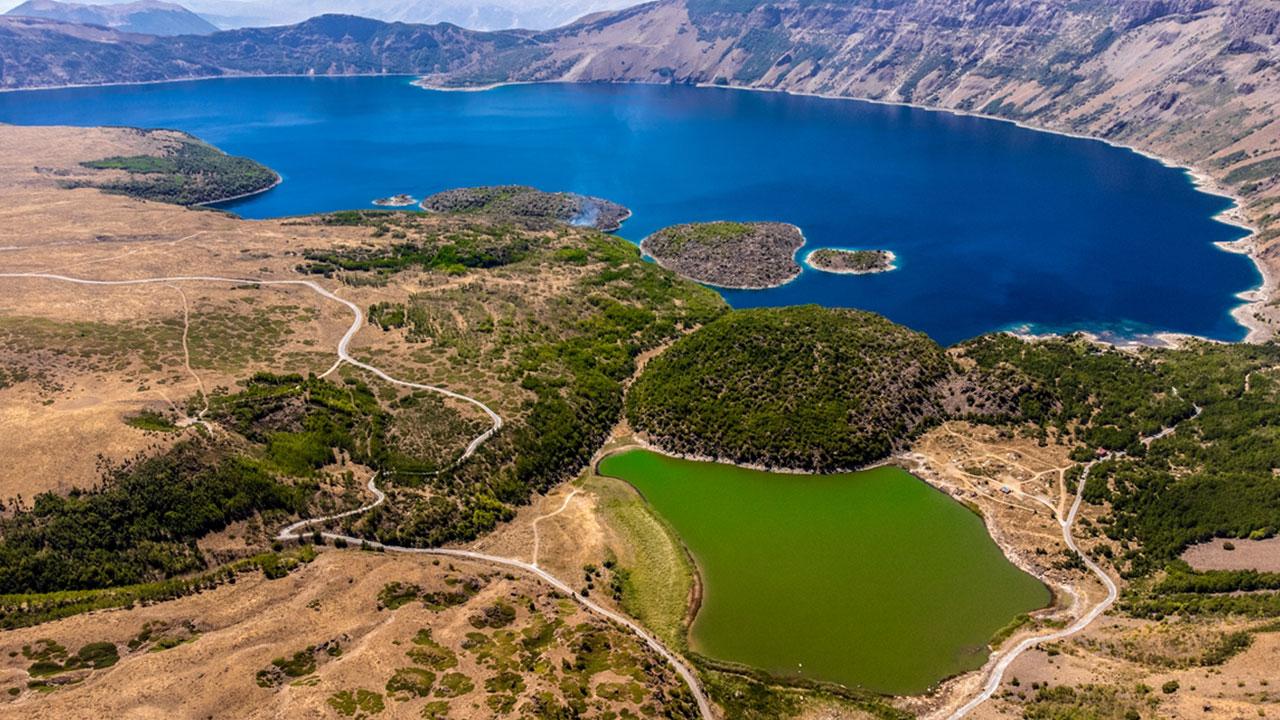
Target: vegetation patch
{"x":428,"y":652}
{"x":358,"y":703}
{"x":52,"y":659}
{"x":471,"y":246}
{"x":189,"y":172}
{"x":1086,"y":701}
{"x":139,"y":524}
{"x":396,"y":594}
{"x":410,"y":682}
{"x":27,"y":609}
{"x":152,"y":421}
{"x":497,"y":615}
{"x":454,"y":684}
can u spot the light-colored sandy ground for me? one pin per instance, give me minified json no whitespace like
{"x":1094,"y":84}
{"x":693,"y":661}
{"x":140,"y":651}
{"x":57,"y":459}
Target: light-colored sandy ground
{"x":1261,"y":555}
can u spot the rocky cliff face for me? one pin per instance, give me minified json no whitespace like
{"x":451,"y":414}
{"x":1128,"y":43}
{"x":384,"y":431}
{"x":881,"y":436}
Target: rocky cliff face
{"x":1186,"y":77}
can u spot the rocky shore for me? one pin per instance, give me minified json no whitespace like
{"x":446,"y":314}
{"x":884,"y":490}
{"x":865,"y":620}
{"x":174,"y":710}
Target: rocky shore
{"x":851,"y":262}
{"x":745,"y":256}
{"x":395,"y":201}
{"x":528,"y":202}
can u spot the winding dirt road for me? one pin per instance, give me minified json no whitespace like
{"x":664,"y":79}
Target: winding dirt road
{"x":1006,"y":659}
{"x":296,"y":530}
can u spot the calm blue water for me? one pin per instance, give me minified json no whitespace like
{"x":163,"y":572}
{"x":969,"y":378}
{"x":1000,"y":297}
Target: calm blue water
{"x":994,"y":226}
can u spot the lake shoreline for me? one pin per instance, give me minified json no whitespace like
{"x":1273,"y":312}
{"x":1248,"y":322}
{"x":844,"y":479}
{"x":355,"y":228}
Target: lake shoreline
{"x":1244,"y":314}
{"x":784,"y":676}
{"x":1251,"y":300}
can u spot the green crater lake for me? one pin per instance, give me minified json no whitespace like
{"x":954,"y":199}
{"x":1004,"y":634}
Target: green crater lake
{"x":870,"y":579}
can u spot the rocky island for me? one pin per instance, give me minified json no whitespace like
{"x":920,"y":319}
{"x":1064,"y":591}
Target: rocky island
{"x":851,"y":262}
{"x":528,"y":202}
{"x":748,"y":256}
{"x":395,"y":201}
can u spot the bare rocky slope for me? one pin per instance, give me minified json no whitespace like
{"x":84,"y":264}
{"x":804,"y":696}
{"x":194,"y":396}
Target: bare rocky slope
{"x":37,"y":52}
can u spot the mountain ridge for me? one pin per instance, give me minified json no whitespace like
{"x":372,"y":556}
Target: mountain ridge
{"x":148,"y":17}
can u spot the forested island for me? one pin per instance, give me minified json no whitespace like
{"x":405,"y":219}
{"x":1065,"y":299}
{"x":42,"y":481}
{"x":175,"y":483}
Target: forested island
{"x":528,"y":202}
{"x":742,"y":255}
{"x":851,"y":262}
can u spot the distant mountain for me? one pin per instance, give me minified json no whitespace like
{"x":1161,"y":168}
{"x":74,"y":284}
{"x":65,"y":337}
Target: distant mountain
{"x":148,"y":17}
{"x":473,"y":14}
{"x":36,"y":52}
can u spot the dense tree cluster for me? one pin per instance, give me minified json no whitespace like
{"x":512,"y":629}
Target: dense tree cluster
{"x":801,"y":387}
{"x":141,"y":524}
{"x":189,"y":173}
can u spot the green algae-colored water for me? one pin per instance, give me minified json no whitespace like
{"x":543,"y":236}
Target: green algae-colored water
{"x":870,"y":579}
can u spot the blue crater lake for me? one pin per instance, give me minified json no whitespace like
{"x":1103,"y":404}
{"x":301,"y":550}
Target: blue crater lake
{"x":994,"y":226}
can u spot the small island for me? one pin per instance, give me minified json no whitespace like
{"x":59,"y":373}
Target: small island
{"x":851,"y":262}
{"x":395,"y":201}
{"x":529,"y":202}
{"x":744,"y":256}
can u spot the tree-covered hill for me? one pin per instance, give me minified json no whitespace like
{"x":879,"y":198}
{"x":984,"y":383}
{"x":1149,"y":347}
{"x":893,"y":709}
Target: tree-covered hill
{"x":186,"y":172}
{"x":801,"y":387}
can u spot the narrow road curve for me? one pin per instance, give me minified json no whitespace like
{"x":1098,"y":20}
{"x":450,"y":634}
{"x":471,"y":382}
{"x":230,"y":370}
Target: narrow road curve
{"x":1001,"y":666}
{"x":296,"y":530}
{"x":537,"y":539}
{"x":997,"y":672}
{"x":357,"y":322}
{"x":186,"y":356}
